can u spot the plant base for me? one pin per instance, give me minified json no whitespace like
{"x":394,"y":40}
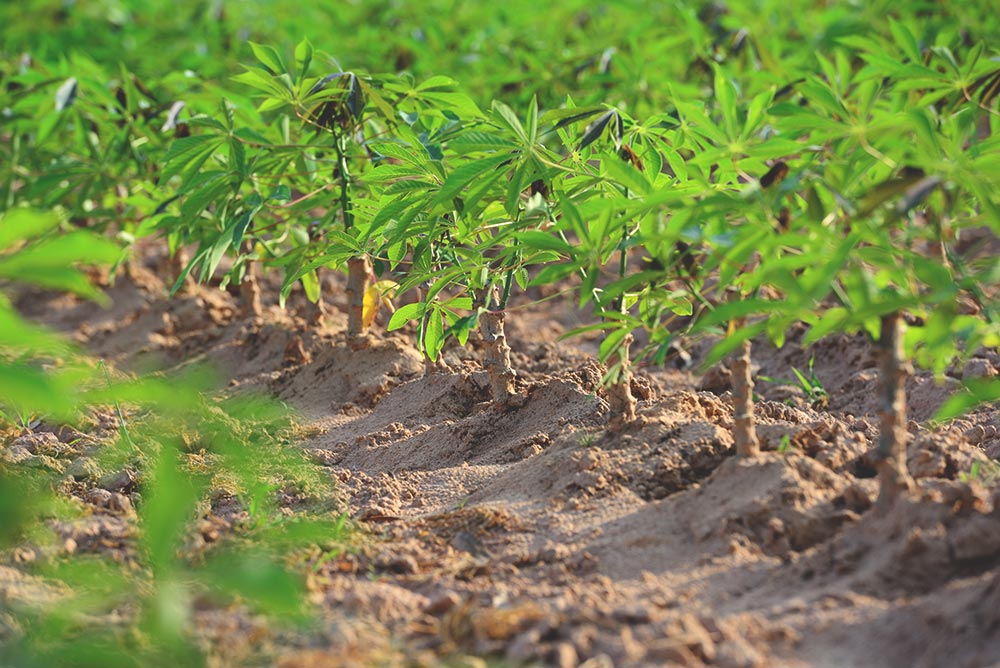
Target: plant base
{"x":744,"y":431}
{"x":620,"y":398}
{"x":358,"y":271}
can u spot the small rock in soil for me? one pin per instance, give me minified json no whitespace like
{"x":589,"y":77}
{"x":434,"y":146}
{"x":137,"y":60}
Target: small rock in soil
{"x":442,"y":603}
{"x":978,"y":368}
{"x":16,"y":454}
{"x":466,"y":542}
{"x":83,"y":468}
{"x":564,"y":656}
{"x":716,"y":380}
{"x":631,"y":614}
{"x":119,"y":481}
{"x":400,"y":564}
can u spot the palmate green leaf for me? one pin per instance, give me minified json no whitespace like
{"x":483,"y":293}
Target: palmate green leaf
{"x":533,"y":120}
{"x":409,"y":187}
{"x":23,"y":224}
{"x":461,"y":326}
{"x":611,"y":343}
{"x":222,"y":244}
{"x":519,"y":180}
{"x":756,"y":113}
{"x":596,"y":128}
{"x":187,"y":154}
{"x":459,"y":104}
{"x":905,"y":39}
{"x":700,"y":123}
{"x":477,"y":140}
{"x":268,"y":57}
{"x":560,"y":118}
{"x":437,"y":81}
{"x":506,"y":116}
{"x":433,"y":334}
{"x":199,"y":257}
{"x":262,"y":81}
{"x":238,"y":158}
{"x":725,"y":97}
{"x":403,"y":153}
{"x":167,"y":510}
{"x":625,"y":174}
{"x":257,"y":578}
{"x":388,"y":173}
{"x":405,"y":314}
{"x":553,"y":273}
{"x":584,"y":329}
{"x":17,"y":334}
{"x":464,"y":175}
{"x":310,"y":285}
{"x":734,"y":311}
{"x":540,"y":240}
{"x":730,"y":343}
{"x":303,"y":58}
{"x":49,"y":262}
{"x":976,"y":392}
{"x":393,"y":219}
{"x":375,"y":97}
{"x":30,"y":390}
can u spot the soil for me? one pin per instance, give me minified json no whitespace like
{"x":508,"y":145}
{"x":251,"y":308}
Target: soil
{"x":530,"y":533}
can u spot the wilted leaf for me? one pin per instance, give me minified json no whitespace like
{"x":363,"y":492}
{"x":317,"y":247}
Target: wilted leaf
{"x":370,"y":304}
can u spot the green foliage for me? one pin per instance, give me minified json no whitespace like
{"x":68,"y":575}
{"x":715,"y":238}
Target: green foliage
{"x":824,"y":164}
{"x":841,"y":165}
{"x":242,"y":443}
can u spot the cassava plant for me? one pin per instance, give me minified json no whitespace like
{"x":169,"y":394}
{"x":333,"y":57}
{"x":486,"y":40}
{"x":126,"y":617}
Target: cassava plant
{"x":279,"y":183}
{"x":898,"y":175}
{"x":466,"y":229}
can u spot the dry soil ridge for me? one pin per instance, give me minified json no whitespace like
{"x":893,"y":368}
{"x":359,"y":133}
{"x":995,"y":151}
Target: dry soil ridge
{"x":530,"y":533}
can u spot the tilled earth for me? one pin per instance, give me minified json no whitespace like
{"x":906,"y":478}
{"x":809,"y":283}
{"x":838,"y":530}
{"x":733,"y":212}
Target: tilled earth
{"x":528,"y":533}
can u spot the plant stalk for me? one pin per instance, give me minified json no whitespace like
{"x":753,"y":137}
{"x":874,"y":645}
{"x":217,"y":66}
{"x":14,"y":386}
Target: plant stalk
{"x":358,"y":270}
{"x":744,"y":429}
{"x":497,"y":362}
{"x":890,"y":455}
{"x":177,"y":262}
{"x":620,"y":398}
{"x":249,"y":288}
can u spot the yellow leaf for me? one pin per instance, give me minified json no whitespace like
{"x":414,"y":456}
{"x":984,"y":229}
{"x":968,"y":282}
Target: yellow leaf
{"x":369,"y":307}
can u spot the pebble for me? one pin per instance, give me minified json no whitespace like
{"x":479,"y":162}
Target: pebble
{"x":400,"y":564}
{"x":442,"y":603}
{"x":978,"y":368}
{"x":118,"y":481}
{"x":632,"y":614}
{"x":83,"y":469}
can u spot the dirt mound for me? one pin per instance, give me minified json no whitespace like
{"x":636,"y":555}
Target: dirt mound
{"x":528,"y":531}
{"x":338,"y":379}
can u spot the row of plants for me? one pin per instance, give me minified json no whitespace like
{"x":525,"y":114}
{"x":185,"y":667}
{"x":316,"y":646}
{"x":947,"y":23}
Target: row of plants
{"x":840,"y":179}
{"x":837,"y":200}
{"x":628,"y":53}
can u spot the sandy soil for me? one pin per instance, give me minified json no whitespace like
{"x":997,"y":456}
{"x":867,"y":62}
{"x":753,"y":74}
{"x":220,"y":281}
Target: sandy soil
{"x":530,"y":534}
